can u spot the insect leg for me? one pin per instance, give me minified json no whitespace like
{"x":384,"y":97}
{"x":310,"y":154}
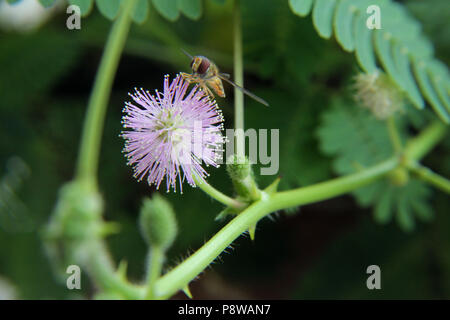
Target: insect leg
{"x":188,"y":77}
{"x":207,"y":91}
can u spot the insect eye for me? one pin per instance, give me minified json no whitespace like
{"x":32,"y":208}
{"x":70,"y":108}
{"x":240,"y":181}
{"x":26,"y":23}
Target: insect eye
{"x":203,"y":67}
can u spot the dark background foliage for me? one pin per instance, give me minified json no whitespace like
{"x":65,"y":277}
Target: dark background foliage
{"x":316,"y":251}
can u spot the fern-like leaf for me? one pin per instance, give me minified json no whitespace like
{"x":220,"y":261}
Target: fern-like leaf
{"x":301,"y":7}
{"x":191,"y":8}
{"x":169,"y":9}
{"x":399,"y":47}
{"x":357,"y":140}
{"x":323,"y":17}
{"x":108,"y":8}
{"x":140,"y":13}
{"x":84,"y":5}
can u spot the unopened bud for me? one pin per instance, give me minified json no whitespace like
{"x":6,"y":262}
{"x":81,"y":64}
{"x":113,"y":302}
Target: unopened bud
{"x":239,"y":167}
{"x":157,"y":222}
{"x":241,"y":173}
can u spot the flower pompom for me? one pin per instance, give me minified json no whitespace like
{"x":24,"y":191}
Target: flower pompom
{"x":170,"y":134}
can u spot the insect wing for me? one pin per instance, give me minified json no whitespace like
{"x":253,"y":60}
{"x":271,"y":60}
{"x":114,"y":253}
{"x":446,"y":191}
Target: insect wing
{"x":251,"y":95}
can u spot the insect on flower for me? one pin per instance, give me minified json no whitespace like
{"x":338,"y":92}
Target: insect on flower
{"x":206,"y":74}
{"x":171,"y":134}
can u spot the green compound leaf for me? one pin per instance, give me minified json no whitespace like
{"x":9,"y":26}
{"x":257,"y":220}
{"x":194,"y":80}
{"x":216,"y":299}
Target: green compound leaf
{"x":399,"y":46}
{"x":428,"y":91}
{"x":440,"y":79}
{"x":357,"y":140}
{"x":191,"y":8}
{"x":85,"y":6}
{"x":108,"y":8}
{"x":47,"y":3}
{"x":301,"y":7}
{"x":140,"y":13}
{"x":403,"y":67}
{"x":323,"y":13}
{"x":343,"y":24}
{"x":404,"y":218}
{"x":167,"y":8}
{"x":383,"y":49}
{"x":363,"y":45}
{"x":383,"y":208}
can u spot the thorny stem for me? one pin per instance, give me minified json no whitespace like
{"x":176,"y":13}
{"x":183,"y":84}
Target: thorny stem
{"x":92,"y":132}
{"x":180,"y":276}
{"x":100,"y":268}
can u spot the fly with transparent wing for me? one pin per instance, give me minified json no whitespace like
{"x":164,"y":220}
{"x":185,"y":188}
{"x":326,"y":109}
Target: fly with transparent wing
{"x":206,"y":74}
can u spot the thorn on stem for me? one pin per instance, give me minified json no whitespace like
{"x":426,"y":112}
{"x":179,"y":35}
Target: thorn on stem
{"x":187,"y":292}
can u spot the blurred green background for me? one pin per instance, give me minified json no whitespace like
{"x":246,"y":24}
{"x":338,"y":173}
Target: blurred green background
{"x":316,"y":251}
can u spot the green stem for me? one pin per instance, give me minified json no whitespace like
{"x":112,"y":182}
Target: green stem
{"x":332,"y":188}
{"x":154,"y":271}
{"x":180,"y":276}
{"x":100,"y":268}
{"x":91,"y":137}
{"x":217,"y":195}
{"x":100,"y":265}
{"x":98,"y":262}
{"x":429,"y":176}
{"x":394,"y":135}
{"x":239,"y":80}
{"x":418,"y":147}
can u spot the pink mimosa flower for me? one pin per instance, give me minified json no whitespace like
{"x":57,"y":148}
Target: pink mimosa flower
{"x":171,"y":134}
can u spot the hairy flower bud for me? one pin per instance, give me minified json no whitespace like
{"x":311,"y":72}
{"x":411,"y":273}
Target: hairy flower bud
{"x":239,"y":167}
{"x":241,"y":173}
{"x":377,"y":93}
{"x":157,"y":222}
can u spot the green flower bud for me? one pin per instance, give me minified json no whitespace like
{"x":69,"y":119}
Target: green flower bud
{"x":157,"y":222}
{"x":241,"y":174}
{"x":239,"y":167}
